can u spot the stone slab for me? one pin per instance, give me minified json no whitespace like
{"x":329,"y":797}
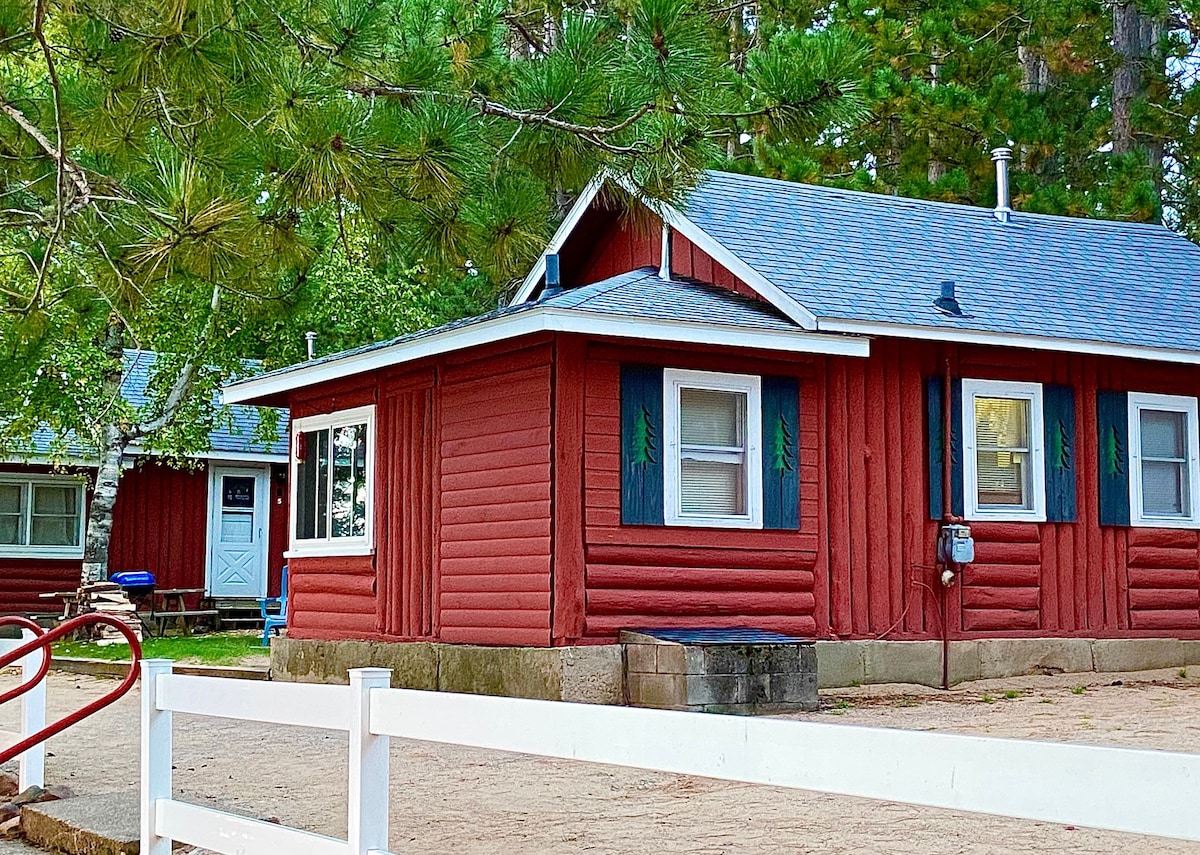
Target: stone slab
{"x":85,"y":825}
{"x":1136,"y":654}
{"x":841,"y":663}
{"x":586,"y":674}
{"x":592,"y":675}
{"x":108,"y":668}
{"x":1012,"y":657}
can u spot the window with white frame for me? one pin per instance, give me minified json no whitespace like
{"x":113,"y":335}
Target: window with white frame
{"x":1003,"y":453}
{"x":713,"y":465}
{"x":1164,"y":447}
{"x":332,"y":482}
{"x":41,"y":516}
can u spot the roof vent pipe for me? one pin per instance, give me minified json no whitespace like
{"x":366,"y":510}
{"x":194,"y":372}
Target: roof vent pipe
{"x":947,"y":301}
{"x":1002,"y":156}
{"x":553,"y":281}
{"x":310,"y":343}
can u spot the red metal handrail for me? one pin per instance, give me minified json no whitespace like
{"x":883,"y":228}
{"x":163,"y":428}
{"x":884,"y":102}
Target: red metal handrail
{"x":43,"y":642}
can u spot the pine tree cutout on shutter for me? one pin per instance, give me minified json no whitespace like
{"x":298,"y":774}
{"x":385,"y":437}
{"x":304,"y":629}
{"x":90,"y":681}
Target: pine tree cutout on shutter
{"x":1112,"y":426}
{"x":936,"y":445}
{"x":1059,"y":417}
{"x":641,"y":445}
{"x":781,"y":452}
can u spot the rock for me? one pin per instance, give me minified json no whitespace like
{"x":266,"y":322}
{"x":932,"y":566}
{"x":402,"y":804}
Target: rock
{"x":37,"y":795}
{"x":10,"y":785}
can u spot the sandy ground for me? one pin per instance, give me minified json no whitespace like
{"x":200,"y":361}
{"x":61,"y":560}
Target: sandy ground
{"x":452,"y":800}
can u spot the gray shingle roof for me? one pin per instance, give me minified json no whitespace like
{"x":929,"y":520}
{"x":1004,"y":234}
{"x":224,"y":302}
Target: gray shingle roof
{"x":642,"y":294}
{"x":235,"y":429}
{"x":859,"y":256}
{"x":635,"y":294}
{"x":233,"y":434}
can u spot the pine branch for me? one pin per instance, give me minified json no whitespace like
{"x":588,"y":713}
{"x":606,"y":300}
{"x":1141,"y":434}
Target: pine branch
{"x":183,"y":383}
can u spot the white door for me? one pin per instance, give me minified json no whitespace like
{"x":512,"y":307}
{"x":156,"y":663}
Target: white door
{"x":237,"y":532}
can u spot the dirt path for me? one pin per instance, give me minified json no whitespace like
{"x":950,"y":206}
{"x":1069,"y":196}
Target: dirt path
{"x":452,"y":800}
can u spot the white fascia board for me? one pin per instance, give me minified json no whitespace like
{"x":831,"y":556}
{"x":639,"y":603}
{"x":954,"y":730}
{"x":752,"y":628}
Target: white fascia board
{"x":560,"y":237}
{"x":680,"y":223}
{"x":484,"y":332}
{"x":801,"y":341}
{"x":546,"y":319}
{"x":1033,"y":342}
{"x":761,"y":285}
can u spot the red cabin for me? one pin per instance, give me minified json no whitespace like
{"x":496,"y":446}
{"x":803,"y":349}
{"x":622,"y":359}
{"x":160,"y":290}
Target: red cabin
{"x":733,"y":413}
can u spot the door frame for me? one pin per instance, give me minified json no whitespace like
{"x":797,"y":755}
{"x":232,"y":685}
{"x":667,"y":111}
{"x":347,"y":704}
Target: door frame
{"x":262,"y":482}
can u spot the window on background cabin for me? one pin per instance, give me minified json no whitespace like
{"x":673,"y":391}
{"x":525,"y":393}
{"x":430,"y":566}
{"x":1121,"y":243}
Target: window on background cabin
{"x":711,"y":473}
{"x":1163,"y":438}
{"x":1003,"y":459}
{"x":332,"y":479}
{"x":41,"y":517}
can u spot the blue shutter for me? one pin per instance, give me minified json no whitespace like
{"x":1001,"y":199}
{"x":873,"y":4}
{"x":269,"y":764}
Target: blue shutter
{"x":641,"y":445}
{"x":781,"y":452}
{"x":1059,"y":417}
{"x":934,"y":424}
{"x":1112,"y":427}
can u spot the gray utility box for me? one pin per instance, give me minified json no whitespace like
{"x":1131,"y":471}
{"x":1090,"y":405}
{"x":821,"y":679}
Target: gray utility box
{"x":733,"y":671}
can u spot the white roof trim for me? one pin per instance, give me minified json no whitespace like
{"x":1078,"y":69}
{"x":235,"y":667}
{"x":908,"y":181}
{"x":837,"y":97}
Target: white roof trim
{"x":560,"y":237}
{"x":544,"y":319}
{"x":676,"y":220}
{"x":1035,"y":342}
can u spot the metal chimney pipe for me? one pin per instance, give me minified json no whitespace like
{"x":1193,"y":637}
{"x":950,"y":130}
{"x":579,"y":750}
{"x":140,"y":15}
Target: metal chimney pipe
{"x":1002,"y":156}
{"x":310,"y":341}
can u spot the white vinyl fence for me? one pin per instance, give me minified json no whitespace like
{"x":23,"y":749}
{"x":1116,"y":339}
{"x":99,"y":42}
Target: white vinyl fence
{"x":1146,"y":792}
{"x":32,"y":763}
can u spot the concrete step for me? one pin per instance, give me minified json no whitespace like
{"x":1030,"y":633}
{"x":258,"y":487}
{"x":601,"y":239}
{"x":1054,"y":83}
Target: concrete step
{"x":84,"y":825}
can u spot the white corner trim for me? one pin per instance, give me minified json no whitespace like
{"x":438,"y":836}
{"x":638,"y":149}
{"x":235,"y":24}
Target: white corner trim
{"x":1034,"y":342}
{"x":546,"y":319}
{"x":1031,"y":392}
{"x":560,"y":237}
{"x":1139,"y":401}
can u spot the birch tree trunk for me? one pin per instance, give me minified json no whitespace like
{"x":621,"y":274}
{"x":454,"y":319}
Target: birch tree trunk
{"x":100,"y":512}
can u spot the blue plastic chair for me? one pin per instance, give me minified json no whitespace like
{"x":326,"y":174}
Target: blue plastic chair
{"x":274,"y":620}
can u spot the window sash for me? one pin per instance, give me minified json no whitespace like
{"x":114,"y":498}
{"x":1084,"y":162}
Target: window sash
{"x":28,"y":530}
{"x":715,"y":484}
{"x":1163,"y":487}
{"x":994,"y":488}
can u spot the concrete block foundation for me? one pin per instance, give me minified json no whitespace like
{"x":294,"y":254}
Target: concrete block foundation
{"x":740,"y":679}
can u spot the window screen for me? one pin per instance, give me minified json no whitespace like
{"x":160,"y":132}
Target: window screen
{"x":1002,"y":448}
{"x":712,"y":427}
{"x":12,"y":515}
{"x":1165,"y":479}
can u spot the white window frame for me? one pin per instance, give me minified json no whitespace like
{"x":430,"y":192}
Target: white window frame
{"x":1031,"y":392}
{"x":27,"y":550}
{"x":1139,"y":401}
{"x":675,"y":379}
{"x":332,"y":546}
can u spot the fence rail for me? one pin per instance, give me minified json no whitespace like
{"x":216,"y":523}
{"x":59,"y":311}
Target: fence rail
{"x":1145,"y":792}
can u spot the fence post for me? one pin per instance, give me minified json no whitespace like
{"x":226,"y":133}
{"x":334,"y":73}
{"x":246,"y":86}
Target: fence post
{"x":367,"y":823}
{"x":32,"y":768}
{"x":157,"y":748}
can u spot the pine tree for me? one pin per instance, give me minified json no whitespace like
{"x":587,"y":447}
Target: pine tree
{"x":177,"y":174}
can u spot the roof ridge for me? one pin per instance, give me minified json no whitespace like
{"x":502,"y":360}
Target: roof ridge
{"x":886,"y":198}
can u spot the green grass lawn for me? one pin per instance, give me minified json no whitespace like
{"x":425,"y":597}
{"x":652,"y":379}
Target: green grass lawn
{"x":216,"y":648}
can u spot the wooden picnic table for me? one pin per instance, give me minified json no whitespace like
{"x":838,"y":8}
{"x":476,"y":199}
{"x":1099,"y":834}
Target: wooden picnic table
{"x":71,"y":600}
{"x":170,"y":604}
